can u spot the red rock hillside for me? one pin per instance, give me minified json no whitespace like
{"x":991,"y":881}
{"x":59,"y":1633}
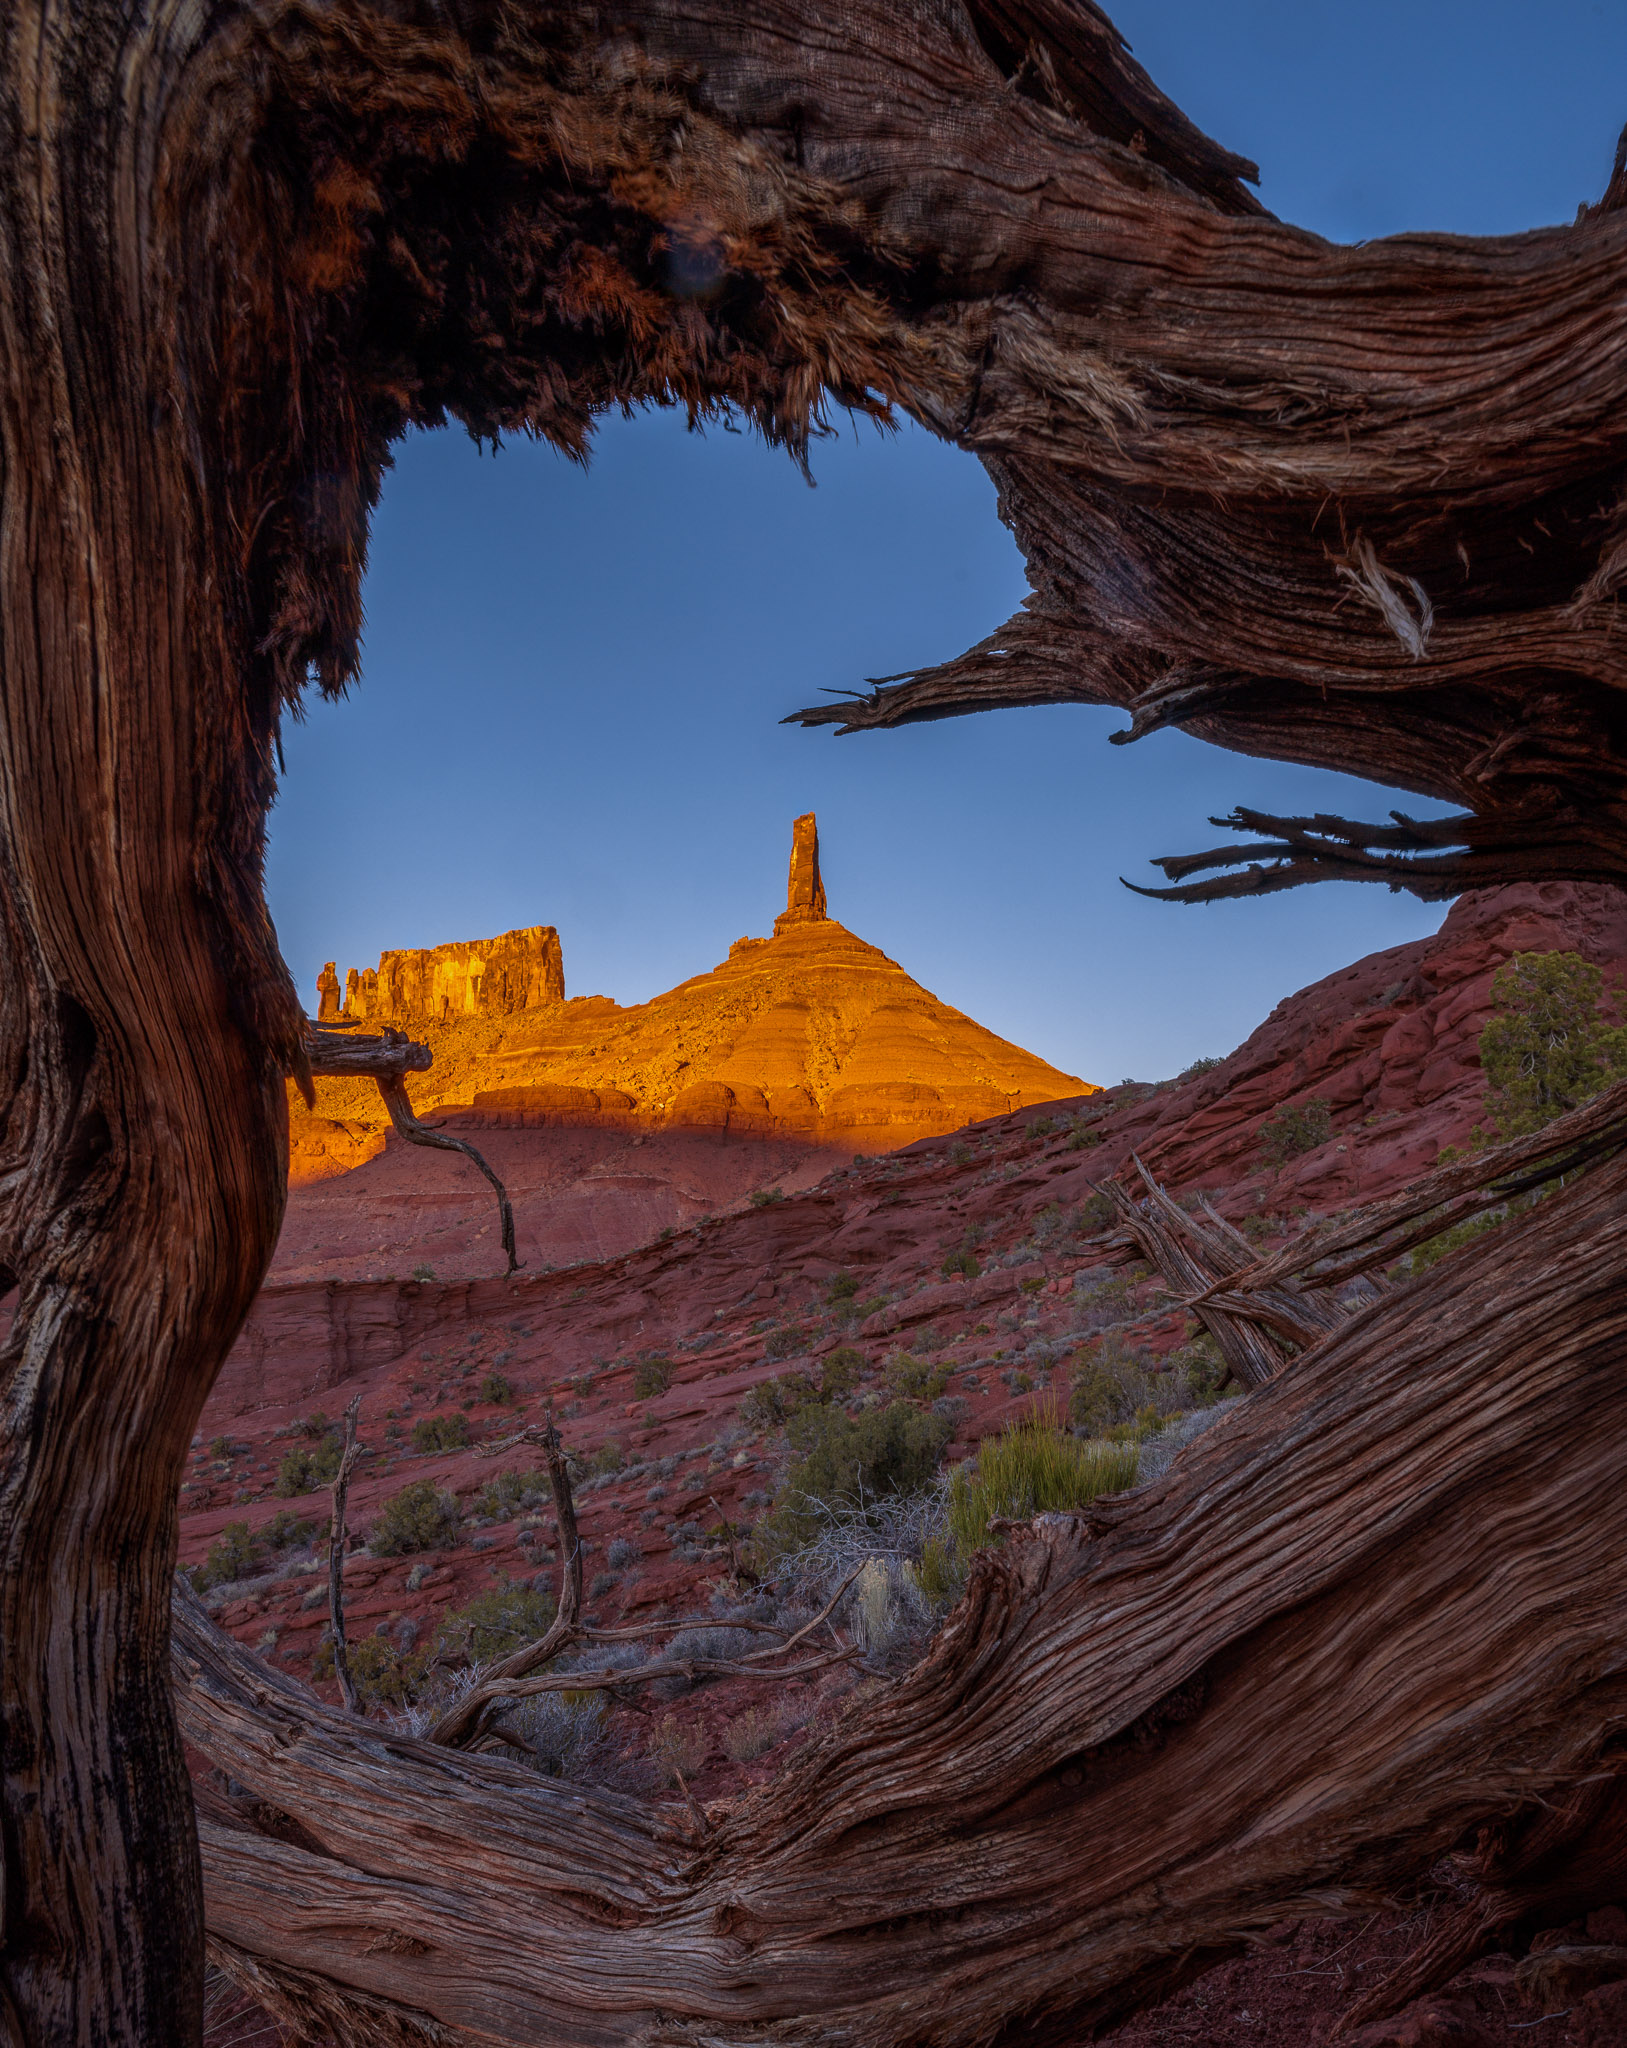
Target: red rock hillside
{"x":960,"y":1268}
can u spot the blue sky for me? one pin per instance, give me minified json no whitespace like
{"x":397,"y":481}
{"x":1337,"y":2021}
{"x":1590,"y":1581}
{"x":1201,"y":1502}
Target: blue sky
{"x":573,"y":682}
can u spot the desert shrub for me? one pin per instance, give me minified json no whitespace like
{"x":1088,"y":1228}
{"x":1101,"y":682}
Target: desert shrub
{"x":761,"y":1197}
{"x":222,"y":1447}
{"x":1115,"y":1387}
{"x":231,"y":1556}
{"x":510,"y":1489}
{"x":790,"y":1342}
{"x":440,"y":1432}
{"x":505,"y":1617}
{"x":842,"y":1288}
{"x":423,"y":1273}
{"x":716,"y":1644}
{"x":677,"y":1748}
{"x":1296,"y":1127}
{"x":496,"y":1389}
{"x":608,"y":1458}
{"x":601,"y":1584}
{"x":748,"y":1735}
{"x":1096,"y":1213}
{"x":915,"y":1379}
{"x":622,"y":1552}
{"x":840,"y":1457}
{"x":312,"y":1426}
{"x":961,"y":1262}
{"x":1546,"y":1048}
{"x":296,"y":1474}
{"x":1033,"y":1467}
{"x":563,"y":1733}
{"x":383,"y":1672}
{"x":937,"y":1573}
{"x":1042,"y":1127}
{"x":839,"y":1374}
{"x":419,"y":1517}
{"x":771,"y":1403}
{"x":651,"y":1376}
{"x":1200,"y":1364}
{"x":286,"y":1530}
{"x":1203,"y":1066}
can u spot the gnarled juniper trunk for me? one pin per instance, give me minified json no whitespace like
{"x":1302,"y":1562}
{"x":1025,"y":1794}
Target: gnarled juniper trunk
{"x":1350,"y":505}
{"x":144,"y":1018}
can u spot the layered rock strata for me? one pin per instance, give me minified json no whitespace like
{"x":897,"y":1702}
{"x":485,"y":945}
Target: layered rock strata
{"x":501,"y":977}
{"x":810,"y":1035}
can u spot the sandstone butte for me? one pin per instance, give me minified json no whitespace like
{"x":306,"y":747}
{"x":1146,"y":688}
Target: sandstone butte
{"x":811,"y":1037}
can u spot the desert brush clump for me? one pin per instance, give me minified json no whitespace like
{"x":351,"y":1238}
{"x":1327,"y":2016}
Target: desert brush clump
{"x":771,"y":1403}
{"x":504,"y":1618}
{"x":1120,"y":1391}
{"x":1033,"y":1467}
{"x":509,"y":1491}
{"x":232,"y":1556}
{"x":914,"y":1379}
{"x":419,"y":1517}
{"x":651,"y":1378}
{"x":1547,"y":1049}
{"x":844,"y":1462}
{"x":839,"y":1374}
{"x":440,"y":1433}
{"x":301,"y":1470}
{"x":1295,"y":1128}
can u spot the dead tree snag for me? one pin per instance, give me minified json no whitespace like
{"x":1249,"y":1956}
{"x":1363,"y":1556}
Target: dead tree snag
{"x":1354,"y":506}
{"x":388,"y":1060}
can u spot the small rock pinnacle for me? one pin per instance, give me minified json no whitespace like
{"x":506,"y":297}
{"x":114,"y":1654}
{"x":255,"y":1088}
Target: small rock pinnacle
{"x":805,"y":892}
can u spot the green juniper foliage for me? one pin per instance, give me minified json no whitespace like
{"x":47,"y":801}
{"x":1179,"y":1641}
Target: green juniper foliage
{"x":419,"y":1517}
{"x":1546,"y":1049}
{"x":1296,"y":1127}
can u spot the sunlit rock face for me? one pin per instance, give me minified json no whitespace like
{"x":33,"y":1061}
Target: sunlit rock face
{"x":810,"y":1035}
{"x":501,"y":977}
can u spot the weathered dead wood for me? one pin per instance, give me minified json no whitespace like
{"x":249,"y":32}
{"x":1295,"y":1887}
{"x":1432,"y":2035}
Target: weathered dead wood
{"x":468,"y":1719}
{"x":336,"y":1557}
{"x":1361,"y":1616}
{"x":1333,"y":1251}
{"x":1202,"y":1262}
{"x":388,"y":1060}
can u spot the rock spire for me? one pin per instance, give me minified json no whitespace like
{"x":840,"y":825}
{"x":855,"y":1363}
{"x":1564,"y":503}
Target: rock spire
{"x":805,"y":892}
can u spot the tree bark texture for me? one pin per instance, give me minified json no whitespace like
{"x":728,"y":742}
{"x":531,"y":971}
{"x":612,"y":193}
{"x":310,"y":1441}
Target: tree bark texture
{"x":1359,"y":507}
{"x":1360,"y":1617}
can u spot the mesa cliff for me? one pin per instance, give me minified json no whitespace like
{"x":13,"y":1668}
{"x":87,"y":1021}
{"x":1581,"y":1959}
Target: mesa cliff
{"x":810,"y":1036}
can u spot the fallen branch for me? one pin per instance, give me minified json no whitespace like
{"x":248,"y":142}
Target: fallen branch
{"x":344,"y":1055}
{"x":1338,"y":1250}
{"x":1198,"y":1261}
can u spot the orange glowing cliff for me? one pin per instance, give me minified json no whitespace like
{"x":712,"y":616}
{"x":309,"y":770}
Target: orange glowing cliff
{"x":809,"y":1035}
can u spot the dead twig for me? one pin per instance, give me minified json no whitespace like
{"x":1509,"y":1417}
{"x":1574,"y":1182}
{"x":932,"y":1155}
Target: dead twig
{"x":461,"y":1724}
{"x":336,"y":1557}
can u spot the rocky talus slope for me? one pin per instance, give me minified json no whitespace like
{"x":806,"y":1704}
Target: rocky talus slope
{"x":960,"y":1267}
